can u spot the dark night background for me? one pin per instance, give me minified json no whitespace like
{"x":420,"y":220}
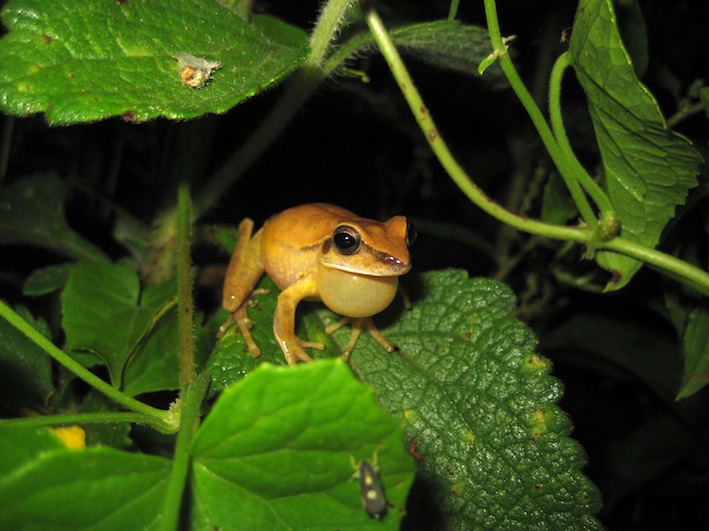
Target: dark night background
{"x":356,"y":145}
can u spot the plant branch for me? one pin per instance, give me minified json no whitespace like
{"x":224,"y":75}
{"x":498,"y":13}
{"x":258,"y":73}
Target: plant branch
{"x":164,"y":420}
{"x":579,"y":174}
{"x":326,"y":29}
{"x":566,"y":162}
{"x":557,"y":123}
{"x":190,"y":409}
{"x":108,"y":417}
{"x":680,"y":270}
{"x":685,"y":272}
{"x":185,"y":316}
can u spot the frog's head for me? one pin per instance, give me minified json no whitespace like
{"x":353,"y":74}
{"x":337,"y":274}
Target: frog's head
{"x":370,"y":247}
{"x":360,"y":265}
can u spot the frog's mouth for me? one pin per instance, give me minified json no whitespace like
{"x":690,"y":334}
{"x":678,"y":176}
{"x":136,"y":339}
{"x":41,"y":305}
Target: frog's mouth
{"x":385,"y":265}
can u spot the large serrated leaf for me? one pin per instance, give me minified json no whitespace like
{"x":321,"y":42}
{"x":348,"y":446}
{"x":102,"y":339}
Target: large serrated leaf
{"x":277,"y":452}
{"x":473,"y":396}
{"x":648,"y":169}
{"x":85,"y":61}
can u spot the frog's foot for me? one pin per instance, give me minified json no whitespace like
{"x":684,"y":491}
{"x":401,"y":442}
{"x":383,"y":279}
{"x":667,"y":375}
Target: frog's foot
{"x":244,"y":324}
{"x":294,"y":349}
{"x":359,"y":325}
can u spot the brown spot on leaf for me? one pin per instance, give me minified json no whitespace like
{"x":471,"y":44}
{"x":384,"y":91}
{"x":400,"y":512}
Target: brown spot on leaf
{"x":129,"y":116}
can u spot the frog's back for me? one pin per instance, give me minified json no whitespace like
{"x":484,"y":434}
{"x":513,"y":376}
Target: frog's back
{"x":292,"y":239}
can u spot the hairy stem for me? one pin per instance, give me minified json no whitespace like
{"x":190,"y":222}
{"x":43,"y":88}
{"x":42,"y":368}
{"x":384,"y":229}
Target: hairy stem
{"x":185,"y":316}
{"x":190,"y":408}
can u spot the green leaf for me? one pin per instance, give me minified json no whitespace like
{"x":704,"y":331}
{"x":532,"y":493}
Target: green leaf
{"x":97,"y":488}
{"x":444,"y":44}
{"x":105,"y":315}
{"x":481,"y":407}
{"x":647,"y":168}
{"x":471,"y":393}
{"x":448,"y":44}
{"x":276,"y":452}
{"x":25,"y":369}
{"x":19,"y":447}
{"x":695,"y":344}
{"x":32,"y":212}
{"x":93,"y":60}
{"x":46,"y":280}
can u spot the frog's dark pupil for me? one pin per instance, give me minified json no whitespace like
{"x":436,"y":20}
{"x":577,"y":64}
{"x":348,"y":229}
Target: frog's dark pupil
{"x":346,"y":240}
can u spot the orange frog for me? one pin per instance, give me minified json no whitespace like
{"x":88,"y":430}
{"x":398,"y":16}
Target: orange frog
{"x":318,"y":252}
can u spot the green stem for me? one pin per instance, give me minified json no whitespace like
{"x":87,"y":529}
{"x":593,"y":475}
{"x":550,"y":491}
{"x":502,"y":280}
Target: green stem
{"x":682,"y":271}
{"x":190,"y":408}
{"x":579,"y":175}
{"x":557,"y":124}
{"x":109,"y":417}
{"x":299,"y":88}
{"x":328,"y":25}
{"x":185,"y":316}
{"x":562,"y":161}
{"x":440,"y":149}
{"x":163,"y":419}
{"x":453,"y":9}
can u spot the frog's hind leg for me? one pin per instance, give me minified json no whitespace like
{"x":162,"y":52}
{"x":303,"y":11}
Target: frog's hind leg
{"x":245,"y":269}
{"x":359,"y":325}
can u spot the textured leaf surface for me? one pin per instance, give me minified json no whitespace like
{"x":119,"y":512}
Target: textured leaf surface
{"x":648,"y":169}
{"x":32,"y":212}
{"x":441,"y":43}
{"x":84,"y":61}
{"x":276,"y":452}
{"x":97,"y":488}
{"x":471,"y":393}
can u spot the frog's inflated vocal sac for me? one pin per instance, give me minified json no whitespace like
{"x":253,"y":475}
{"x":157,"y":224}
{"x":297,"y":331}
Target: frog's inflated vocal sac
{"x":318,"y":252}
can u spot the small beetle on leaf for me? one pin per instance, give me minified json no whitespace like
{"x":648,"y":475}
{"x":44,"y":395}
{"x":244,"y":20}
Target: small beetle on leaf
{"x":371,"y":488}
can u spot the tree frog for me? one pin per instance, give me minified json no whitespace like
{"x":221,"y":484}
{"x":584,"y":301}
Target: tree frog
{"x":318,"y":252}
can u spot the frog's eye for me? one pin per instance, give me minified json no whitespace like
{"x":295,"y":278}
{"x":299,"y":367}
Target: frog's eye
{"x":347,"y":240}
{"x":410,"y":234}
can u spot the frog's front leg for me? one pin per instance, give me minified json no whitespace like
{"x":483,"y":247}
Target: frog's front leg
{"x":359,"y":325}
{"x":284,"y":322}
